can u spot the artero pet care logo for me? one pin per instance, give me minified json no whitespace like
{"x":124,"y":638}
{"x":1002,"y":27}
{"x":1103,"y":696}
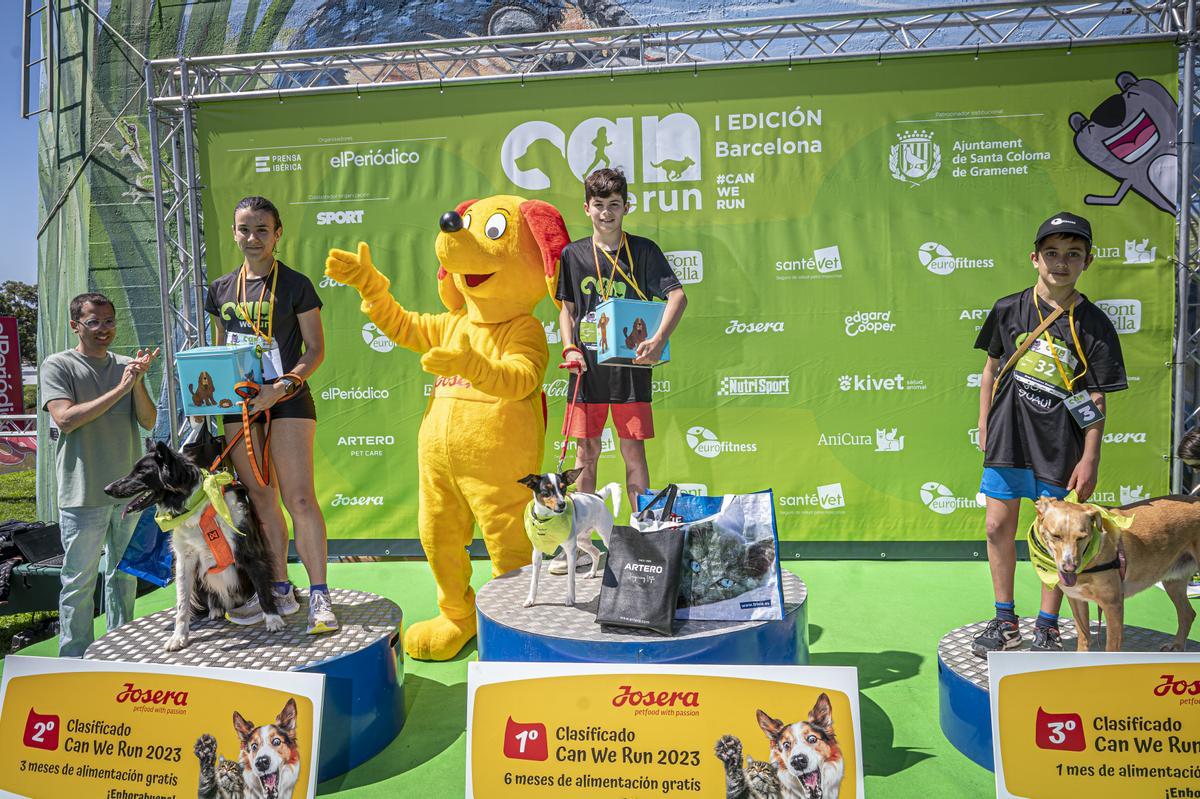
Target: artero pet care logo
{"x":940,"y":499}
{"x":706,"y":444}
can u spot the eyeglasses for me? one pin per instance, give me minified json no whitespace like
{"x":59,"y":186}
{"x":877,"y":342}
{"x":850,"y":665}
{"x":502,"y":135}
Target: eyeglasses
{"x":96,"y":324}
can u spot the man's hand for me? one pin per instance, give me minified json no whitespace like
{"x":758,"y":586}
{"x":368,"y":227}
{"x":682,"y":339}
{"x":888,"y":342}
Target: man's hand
{"x":1083,"y":478}
{"x":649,"y":351}
{"x":142,"y":361}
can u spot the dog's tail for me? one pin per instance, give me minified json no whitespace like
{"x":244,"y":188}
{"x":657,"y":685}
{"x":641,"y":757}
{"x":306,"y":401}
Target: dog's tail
{"x":612,"y":493}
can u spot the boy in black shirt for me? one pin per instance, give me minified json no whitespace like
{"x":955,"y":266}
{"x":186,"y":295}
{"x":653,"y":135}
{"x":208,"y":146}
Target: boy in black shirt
{"x":1033,"y":446}
{"x":607,"y":264}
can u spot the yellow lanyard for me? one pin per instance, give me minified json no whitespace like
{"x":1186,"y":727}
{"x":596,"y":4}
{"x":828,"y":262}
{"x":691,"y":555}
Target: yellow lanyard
{"x":616,"y":265}
{"x":1070,"y":381}
{"x":256,"y":325}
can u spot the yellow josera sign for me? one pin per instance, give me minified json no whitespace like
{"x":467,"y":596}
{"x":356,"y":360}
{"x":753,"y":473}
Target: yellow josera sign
{"x":1102,"y":731}
{"x":130,"y":735}
{"x":648,"y":735}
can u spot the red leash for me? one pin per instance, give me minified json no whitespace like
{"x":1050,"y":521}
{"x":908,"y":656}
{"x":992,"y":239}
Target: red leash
{"x":573,"y":366}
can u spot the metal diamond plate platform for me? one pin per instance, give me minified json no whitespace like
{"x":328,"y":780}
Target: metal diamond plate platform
{"x":964,"y":707}
{"x":363,"y":708}
{"x":550,"y":631}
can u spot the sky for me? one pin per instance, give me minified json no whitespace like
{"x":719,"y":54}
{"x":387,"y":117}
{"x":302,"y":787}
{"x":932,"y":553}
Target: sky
{"x":18,"y":159}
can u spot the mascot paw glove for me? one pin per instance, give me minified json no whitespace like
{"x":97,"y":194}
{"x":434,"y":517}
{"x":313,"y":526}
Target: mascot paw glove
{"x":357,"y":270}
{"x":454,"y":359}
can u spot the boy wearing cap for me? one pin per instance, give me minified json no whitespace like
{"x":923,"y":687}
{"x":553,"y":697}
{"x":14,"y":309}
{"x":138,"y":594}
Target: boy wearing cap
{"x":1033,"y":443}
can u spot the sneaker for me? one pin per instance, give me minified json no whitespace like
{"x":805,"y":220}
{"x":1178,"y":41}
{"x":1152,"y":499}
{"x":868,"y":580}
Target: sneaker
{"x":998,"y":636}
{"x":1046,"y":639}
{"x":286,"y":604}
{"x":249,"y":613}
{"x":320,"y":613}
{"x":559,"y":565}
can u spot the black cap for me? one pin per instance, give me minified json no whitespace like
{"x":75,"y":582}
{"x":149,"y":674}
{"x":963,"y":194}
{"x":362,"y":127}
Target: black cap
{"x":1064,"y":224}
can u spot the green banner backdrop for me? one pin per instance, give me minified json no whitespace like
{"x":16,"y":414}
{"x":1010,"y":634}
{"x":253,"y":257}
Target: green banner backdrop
{"x":842,"y":230}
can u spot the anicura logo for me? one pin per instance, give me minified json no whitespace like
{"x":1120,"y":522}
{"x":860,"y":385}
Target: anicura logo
{"x":552,"y":334}
{"x":354,"y":393}
{"x":1126,"y":315}
{"x":1135,"y":251}
{"x":869,"y":322}
{"x":754,"y":386}
{"x":940,"y":499}
{"x":1122,"y":496}
{"x":375,"y":338}
{"x":939,"y":260}
{"x":704,"y":442}
{"x":883,"y":440}
{"x":339,"y":217}
{"x":688,"y":265}
{"x":342,"y":500}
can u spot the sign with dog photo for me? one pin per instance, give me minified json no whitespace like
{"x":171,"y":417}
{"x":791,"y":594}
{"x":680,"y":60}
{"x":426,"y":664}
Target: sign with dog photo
{"x":649,"y":731}
{"x":1116,"y":724}
{"x":84,"y":728}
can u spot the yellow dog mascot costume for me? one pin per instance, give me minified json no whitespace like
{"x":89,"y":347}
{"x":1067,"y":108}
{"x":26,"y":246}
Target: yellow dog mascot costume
{"x":485,"y":425}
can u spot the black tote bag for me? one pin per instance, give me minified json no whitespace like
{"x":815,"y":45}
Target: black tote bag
{"x":641,"y":579}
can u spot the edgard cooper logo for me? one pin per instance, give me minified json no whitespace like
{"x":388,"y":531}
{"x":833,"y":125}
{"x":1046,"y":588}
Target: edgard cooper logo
{"x":940,"y":499}
{"x":705,"y":443}
{"x":940,"y":261}
{"x":916,"y":158}
{"x":375,"y":338}
{"x":688,"y":265}
{"x":869,"y":322}
{"x":1126,"y":315}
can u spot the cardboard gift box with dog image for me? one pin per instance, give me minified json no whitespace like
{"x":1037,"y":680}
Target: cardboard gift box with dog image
{"x":485,"y":425}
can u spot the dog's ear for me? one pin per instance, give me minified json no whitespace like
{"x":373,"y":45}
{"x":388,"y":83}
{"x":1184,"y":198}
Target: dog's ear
{"x":243,"y":728}
{"x":286,"y":720}
{"x":530,"y":480}
{"x":771,"y":726}
{"x":1042,"y":504}
{"x":822,"y":713}
{"x":570,"y":476}
{"x":149,"y":443}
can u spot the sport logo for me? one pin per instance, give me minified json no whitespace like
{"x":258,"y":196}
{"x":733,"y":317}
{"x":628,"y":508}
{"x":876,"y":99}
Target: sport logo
{"x":940,"y":261}
{"x":339,"y":217}
{"x":940,"y":499}
{"x":776,"y":385}
{"x":869,"y":322}
{"x":1126,"y":315}
{"x":688,"y":265}
{"x":916,"y":158}
{"x":375,"y":338}
{"x":705,"y":443}
{"x":975,"y":380}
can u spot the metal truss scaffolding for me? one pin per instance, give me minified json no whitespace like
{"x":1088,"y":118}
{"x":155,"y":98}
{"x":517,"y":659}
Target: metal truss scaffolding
{"x":176,"y":86}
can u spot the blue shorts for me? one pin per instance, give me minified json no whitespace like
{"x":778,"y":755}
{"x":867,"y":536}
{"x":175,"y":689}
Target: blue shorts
{"x":1012,"y":483}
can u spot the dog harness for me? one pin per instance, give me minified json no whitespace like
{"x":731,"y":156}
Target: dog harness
{"x":211,"y":493}
{"x":547,"y":535}
{"x":1043,"y":559}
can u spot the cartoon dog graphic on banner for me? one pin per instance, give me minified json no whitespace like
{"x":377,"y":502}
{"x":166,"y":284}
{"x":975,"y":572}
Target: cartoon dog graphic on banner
{"x":485,"y":424}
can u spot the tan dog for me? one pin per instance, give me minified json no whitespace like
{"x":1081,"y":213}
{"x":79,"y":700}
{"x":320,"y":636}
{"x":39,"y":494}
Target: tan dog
{"x":1162,"y":543}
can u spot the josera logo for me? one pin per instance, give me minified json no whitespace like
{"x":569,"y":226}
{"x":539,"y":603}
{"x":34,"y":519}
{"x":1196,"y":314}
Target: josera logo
{"x":1126,"y":315}
{"x":940,"y":499}
{"x":329,"y":283}
{"x":1124,"y":438}
{"x":670,"y":149}
{"x":375,"y":338}
{"x":688,"y":265}
{"x":1170,"y":686}
{"x":705,"y":443}
{"x":343,"y":500}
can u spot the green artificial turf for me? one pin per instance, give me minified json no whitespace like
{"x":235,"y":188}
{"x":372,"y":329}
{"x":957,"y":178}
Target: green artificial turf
{"x":884,"y":618}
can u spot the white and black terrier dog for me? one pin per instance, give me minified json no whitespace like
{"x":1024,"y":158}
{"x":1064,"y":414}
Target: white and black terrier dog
{"x":166,"y":478}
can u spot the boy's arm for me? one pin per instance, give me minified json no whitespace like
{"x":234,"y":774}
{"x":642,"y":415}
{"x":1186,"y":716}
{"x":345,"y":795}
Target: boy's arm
{"x":650,"y":349}
{"x":1083,"y":477}
{"x":990,"y":367}
{"x":566,"y":327}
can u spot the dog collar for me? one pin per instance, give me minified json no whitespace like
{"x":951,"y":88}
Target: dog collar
{"x":212,"y":489}
{"x":1043,"y":559}
{"x":547,"y":535}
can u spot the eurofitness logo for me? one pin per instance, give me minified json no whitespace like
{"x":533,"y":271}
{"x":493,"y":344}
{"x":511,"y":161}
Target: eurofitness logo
{"x":883,"y":440}
{"x":870,"y":383}
{"x":1124,"y":438}
{"x":776,"y":385}
{"x":938,"y":259}
{"x":375,"y":338}
{"x":705,"y":443}
{"x":374,"y":157}
{"x":940,"y":499}
{"x":278,"y":162}
{"x":825,"y":261}
{"x":869,"y":322}
{"x":916,"y":158}
{"x":354,"y":393}
{"x":688,"y":265}
{"x":339,"y":217}
{"x":736,"y":326}
{"x":1126,"y":315}
{"x":670,"y":147}
{"x":829,"y":497}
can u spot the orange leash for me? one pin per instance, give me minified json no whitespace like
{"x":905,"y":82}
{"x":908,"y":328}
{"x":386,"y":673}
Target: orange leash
{"x":248,"y":390}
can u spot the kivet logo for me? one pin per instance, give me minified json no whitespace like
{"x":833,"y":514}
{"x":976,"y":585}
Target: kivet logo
{"x":688,"y":265}
{"x":940,"y":261}
{"x":1126,"y":315}
{"x":339,"y":217}
{"x":754,"y":386}
{"x":869,"y":382}
{"x":375,"y":338}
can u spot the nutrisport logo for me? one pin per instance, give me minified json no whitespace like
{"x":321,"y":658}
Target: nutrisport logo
{"x":1126,"y":315}
{"x":652,"y":151}
{"x":938,"y":259}
{"x":707,"y":444}
{"x":755,"y":386}
{"x":941,"y":500}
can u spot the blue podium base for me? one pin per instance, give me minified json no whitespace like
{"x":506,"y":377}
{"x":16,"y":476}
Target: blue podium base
{"x":964,"y":703}
{"x":364,"y":673}
{"x":551,"y":632}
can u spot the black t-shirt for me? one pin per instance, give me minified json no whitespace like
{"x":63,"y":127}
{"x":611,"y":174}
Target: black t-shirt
{"x":578,"y":284}
{"x":1028,"y":425}
{"x":294,"y":295}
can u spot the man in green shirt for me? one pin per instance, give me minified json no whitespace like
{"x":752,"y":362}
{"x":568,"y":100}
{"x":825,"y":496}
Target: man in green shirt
{"x":97,"y":400}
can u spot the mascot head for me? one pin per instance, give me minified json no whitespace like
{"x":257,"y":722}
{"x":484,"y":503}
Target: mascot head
{"x":499,"y":256}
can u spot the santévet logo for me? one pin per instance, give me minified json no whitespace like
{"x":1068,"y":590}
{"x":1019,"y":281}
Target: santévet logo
{"x":824,"y":261}
{"x":940,"y":499}
{"x":1126,"y":315}
{"x":704,"y":442}
{"x":339,"y":217}
{"x":830,"y":497}
{"x":940,"y":261}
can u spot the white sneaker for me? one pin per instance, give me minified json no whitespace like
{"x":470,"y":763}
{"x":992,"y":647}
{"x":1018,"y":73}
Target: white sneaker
{"x":287,"y":604}
{"x":320,"y":613}
{"x":559,"y":565}
{"x":250,"y":612}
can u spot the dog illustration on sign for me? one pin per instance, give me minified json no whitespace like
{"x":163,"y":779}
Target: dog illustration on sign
{"x":203,"y":393}
{"x":639,"y":334}
{"x":675,"y":167}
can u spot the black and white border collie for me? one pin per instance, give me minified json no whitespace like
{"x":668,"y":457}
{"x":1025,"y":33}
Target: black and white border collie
{"x":166,"y":478}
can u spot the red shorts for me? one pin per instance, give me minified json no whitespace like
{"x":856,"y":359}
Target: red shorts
{"x":633,"y":420}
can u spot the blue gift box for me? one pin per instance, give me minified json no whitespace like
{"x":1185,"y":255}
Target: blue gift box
{"x":623,"y":324}
{"x":207,"y":376}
